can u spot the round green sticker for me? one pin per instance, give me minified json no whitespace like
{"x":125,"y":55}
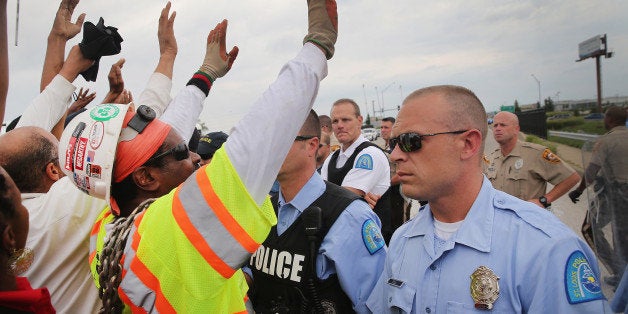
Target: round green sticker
{"x":104,"y":112}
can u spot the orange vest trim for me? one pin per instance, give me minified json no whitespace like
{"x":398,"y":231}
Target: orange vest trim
{"x":232,"y":225}
{"x":197,"y":240}
{"x":96,"y":226}
{"x":127,"y":301}
{"x":91,"y":256}
{"x":149,"y":280}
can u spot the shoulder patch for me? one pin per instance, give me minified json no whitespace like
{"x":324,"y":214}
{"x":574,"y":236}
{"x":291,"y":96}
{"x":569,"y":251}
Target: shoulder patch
{"x":365,"y":162}
{"x":372,"y":236}
{"x":581,"y":285}
{"x":486,"y":160}
{"x":549,"y":156}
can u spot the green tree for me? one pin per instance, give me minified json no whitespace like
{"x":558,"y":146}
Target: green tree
{"x":517,"y":108}
{"x":549,"y":104}
{"x":367,"y":122}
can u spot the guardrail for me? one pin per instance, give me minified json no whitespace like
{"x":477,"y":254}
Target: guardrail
{"x":575,"y":136}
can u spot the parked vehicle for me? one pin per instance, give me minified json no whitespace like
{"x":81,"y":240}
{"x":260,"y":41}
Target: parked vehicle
{"x":559,"y":116}
{"x":594,"y":116}
{"x":370,"y":134}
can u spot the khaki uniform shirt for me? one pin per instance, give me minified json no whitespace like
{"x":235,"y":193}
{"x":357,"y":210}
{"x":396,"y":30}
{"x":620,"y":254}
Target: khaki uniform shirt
{"x":611,"y":154}
{"x":525,"y":172}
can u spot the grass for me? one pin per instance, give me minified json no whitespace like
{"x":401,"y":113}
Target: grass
{"x":538,"y":140}
{"x":566,"y":141}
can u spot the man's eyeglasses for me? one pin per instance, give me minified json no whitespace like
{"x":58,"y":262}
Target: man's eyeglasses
{"x":410,"y":142}
{"x":179,"y":152}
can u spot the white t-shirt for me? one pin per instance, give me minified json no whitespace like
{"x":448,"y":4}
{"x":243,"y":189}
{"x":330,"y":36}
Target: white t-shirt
{"x":370,"y":172}
{"x":60,"y":224}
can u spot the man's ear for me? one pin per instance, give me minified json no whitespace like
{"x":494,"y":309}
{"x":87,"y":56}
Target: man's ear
{"x":53,"y":172}
{"x":144,"y":179}
{"x":472,"y":144}
{"x":8,"y":239}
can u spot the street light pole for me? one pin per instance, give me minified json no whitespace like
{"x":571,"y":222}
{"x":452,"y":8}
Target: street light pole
{"x":539,"y":83}
{"x":382,"y":107}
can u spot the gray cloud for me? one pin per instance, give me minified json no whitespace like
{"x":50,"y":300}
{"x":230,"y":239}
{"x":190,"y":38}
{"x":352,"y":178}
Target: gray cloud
{"x":491,"y":47}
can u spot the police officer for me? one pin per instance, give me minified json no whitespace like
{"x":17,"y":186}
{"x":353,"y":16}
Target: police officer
{"x":473,"y":247}
{"x":359,"y":165}
{"x":523,"y":169}
{"x":208,"y":144}
{"x":285,"y":279}
{"x":608,"y":168}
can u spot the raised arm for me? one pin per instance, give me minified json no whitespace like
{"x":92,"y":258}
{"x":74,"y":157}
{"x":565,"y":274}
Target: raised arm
{"x":51,"y":105}
{"x":157,"y":91}
{"x":263,"y":136}
{"x":182,"y":114}
{"x":62,"y":30}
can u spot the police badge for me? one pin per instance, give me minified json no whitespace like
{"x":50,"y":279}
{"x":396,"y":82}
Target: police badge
{"x":484,"y":288}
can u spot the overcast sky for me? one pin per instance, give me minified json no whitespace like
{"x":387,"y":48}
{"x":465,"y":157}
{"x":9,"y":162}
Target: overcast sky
{"x":394,"y":47}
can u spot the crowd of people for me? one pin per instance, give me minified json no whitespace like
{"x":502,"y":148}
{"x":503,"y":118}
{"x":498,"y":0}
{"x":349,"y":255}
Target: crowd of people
{"x":125,"y":206}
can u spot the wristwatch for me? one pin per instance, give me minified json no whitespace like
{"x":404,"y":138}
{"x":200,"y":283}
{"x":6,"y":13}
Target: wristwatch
{"x":543,"y":201}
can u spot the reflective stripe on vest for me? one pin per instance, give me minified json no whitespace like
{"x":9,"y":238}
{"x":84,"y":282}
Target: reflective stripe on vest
{"x":97,"y":241}
{"x":189,"y":245}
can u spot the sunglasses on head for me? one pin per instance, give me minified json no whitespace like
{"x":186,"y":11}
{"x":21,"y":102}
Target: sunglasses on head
{"x":179,"y":152}
{"x":410,"y":142}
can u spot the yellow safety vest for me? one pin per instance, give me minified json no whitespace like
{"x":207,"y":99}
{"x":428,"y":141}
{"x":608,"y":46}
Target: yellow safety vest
{"x":184,"y":252}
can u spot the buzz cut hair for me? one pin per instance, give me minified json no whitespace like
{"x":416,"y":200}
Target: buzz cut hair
{"x":311,"y":126}
{"x":466,"y":109}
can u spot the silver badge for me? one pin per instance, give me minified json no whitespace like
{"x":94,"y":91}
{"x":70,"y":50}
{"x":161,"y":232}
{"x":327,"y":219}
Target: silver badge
{"x":518,"y":163}
{"x":484,"y":288}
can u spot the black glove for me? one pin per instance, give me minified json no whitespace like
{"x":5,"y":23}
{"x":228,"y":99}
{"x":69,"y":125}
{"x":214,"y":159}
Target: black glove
{"x":573,"y":195}
{"x":98,"y":40}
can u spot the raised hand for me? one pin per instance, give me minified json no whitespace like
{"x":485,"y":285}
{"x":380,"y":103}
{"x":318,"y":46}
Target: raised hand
{"x":83,"y":98}
{"x":63,"y":26}
{"x":322,"y":25}
{"x":116,"y":83}
{"x":165,"y":32}
{"x":217,"y":61}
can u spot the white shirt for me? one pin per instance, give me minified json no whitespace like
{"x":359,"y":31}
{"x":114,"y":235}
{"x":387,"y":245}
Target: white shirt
{"x":375,"y":180}
{"x":259,"y":142}
{"x":49,"y":106}
{"x":60,"y":223}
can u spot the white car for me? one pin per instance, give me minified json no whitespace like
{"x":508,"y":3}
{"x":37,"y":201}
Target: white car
{"x":370,"y":134}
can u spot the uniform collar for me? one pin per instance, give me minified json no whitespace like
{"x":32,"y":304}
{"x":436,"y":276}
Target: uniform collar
{"x":617,"y":128}
{"x":475,"y":231}
{"x":312,"y":190}
{"x":361,"y":139}
{"x":516,"y":151}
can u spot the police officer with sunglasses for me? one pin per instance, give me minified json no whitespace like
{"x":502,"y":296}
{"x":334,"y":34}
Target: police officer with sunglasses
{"x":473,"y":247}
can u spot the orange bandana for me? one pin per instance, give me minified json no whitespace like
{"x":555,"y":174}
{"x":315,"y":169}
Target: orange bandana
{"x":134,"y":152}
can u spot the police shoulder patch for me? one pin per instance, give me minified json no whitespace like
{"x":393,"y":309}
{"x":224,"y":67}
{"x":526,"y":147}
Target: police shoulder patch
{"x":372,"y":236}
{"x":549,"y":156}
{"x":365,"y":162}
{"x":581,"y":285}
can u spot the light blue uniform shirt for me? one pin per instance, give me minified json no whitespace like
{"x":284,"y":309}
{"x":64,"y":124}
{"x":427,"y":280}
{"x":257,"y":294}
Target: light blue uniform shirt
{"x":529,"y":249}
{"x":343,"y":250}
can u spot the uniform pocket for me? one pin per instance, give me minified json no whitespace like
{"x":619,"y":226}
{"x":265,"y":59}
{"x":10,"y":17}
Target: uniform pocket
{"x":400,"y":298}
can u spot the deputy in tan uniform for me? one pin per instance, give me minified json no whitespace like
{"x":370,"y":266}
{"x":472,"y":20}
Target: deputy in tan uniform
{"x":608,"y":172}
{"x":523,"y":169}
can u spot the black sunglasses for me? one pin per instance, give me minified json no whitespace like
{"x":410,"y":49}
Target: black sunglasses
{"x":410,"y":142}
{"x":304,"y":137}
{"x":179,"y":152}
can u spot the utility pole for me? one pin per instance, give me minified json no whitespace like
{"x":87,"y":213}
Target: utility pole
{"x":539,"y":83}
{"x":382,"y":107}
{"x":595,"y":47}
